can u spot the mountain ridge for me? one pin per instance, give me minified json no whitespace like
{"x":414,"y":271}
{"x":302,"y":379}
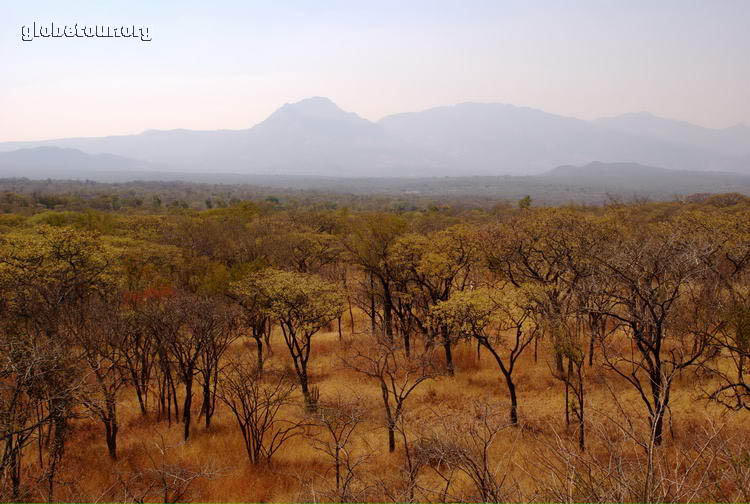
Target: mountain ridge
{"x":50,"y":161}
{"x":316,"y":137}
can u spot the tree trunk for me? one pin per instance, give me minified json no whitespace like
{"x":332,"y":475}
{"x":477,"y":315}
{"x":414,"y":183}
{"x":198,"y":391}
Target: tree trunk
{"x":372,"y":305}
{"x":144,"y":383}
{"x":387,"y":310}
{"x":448,"y":355}
{"x":338,"y":467}
{"x":165,"y":405}
{"x":111,"y":427}
{"x":259,"y":343}
{"x":110,"y":431}
{"x":595,"y":326}
{"x":212,"y":399}
{"x":305,"y":390}
{"x":661,"y":400}
{"x":581,"y":418}
{"x":351,"y":312}
{"x":567,"y":392}
{"x":15,"y":471}
{"x":267,"y":335}
{"x":56,"y":452}
{"x":513,"y":399}
{"x":389,"y":417}
{"x":659,"y":427}
{"x":310,"y":403}
{"x":207,"y":400}
{"x":172,"y":395}
{"x":139,"y":394}
{"x":186,"y":406}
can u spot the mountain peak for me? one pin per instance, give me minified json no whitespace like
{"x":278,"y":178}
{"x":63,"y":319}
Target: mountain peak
{"x":312,"y":111}
{"x":316,"y":101}
{"x":316,"y":106}
{"x":315,"y":136}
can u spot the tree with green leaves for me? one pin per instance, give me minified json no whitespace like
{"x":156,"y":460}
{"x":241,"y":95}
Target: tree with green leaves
{"x":430,"y":269}
{"x":487,"y":316}
{"x":254,"y":305}
{"x":370,"y":246}
{"x":302,"y":304}
{"x":49,"y":279}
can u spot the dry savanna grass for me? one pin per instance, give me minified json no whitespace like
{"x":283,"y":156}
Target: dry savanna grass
{"x":523,"y":456}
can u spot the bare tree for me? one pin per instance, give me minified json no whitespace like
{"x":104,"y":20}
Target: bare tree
{"x":647,"y":276}
{"x":464,"y":444}
{"x":338,"y":418}
{"x":184,"y":347}
{"x":162,"y":320}
{"x":574,"y":381}
{"x":384,"y":361}
{"x":631,"y":469}
{"x":725,"y":311}
{"x":544,"y":249}
{"x":163,"y":479}
{"x":28,"y":385}
{"x":139,"y":347}
{"x":218,"y":327}
{"x":731,"y":344}
{"x":256,"y":402}
{"x":100,"y":341}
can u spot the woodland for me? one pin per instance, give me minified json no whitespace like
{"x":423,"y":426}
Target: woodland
{"x":173,"y":342}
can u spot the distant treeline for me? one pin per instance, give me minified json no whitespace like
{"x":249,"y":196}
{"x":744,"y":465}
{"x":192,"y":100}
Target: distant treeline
{"x":21,"y":195}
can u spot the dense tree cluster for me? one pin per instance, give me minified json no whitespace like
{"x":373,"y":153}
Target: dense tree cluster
{"x":205,"y":192}
{"x":176,"y":312}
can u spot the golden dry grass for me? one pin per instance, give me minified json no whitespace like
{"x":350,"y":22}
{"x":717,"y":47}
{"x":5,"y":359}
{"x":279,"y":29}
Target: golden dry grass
{"x":88,"y":473}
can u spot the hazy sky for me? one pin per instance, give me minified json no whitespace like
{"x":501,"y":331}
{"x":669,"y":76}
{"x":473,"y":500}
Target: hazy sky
{"x":228,"y":64}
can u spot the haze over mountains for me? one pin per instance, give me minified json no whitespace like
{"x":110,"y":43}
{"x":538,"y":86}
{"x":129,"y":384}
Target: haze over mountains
{"x":314,"y":137}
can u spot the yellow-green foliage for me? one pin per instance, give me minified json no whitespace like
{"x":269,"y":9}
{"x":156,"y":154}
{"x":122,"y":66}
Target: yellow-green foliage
{"x":90,"y":220}
{"x":48,"y":263}
{"x":305,"y":302}
{"x":484,"y":285}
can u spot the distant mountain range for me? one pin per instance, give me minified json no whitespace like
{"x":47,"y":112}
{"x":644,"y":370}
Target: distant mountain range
{"x":592,"y":183}
{"x":316,"y":137}
{"x":56,"y":162}
{"x":640,"y":179}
